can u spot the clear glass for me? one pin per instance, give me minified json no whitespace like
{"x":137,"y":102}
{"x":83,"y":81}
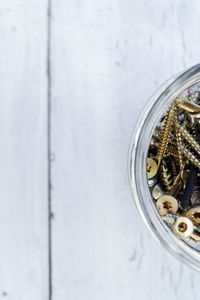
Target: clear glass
{"x":140,"y":141}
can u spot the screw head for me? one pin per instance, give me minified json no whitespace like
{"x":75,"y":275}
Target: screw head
{"x":152,"y":168}
{"x":194,"y":214}
{"x":167,"y":204}
{"x":183,"y":227}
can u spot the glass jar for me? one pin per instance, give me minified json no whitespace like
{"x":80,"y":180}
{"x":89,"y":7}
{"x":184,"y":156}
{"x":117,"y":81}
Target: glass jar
{"x":155,"y":108}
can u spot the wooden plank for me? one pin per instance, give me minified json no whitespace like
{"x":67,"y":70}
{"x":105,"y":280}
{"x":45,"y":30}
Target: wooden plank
{"x":23,"y":151}
{"x":108,"y":58}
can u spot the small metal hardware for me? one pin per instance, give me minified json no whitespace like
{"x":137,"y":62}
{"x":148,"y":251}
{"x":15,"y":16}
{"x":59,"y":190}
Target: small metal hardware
{"x":173,"y":166}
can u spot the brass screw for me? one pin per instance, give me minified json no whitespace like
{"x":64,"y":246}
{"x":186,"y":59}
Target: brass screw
{"x":187,"y":105}
{"x":179,"y":142}
{"x":190,"y":156}
{"x":189,"y":139}
{"x":166,"y":177}
{"x":166,"y":130}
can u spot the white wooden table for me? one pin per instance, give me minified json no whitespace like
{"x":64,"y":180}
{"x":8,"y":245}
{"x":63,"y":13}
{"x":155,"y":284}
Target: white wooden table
{"x":74,"y":76}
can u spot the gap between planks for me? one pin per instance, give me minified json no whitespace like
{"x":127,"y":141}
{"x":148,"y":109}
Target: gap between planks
{"x":49,"y":11}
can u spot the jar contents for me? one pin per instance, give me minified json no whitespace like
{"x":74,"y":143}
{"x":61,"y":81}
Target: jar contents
{"x":173,"y":166}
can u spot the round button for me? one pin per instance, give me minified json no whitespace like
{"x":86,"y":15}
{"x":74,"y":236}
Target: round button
{"x":183,"y":227}
{"x":167,"y":204}
{"x":194,"y":214}
{"x":152,"y":168}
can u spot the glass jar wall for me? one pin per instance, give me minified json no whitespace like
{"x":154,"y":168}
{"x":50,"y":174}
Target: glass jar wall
{"x":150,"y":123}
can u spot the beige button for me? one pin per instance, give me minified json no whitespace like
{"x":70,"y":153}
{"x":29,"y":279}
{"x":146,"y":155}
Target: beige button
{"x":152,"y":168}
{"x":183,"y":227}
{"x":167,"y":204}
{"x":194,"y":214}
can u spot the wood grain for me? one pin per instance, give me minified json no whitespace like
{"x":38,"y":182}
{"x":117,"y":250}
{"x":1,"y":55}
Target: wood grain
{"x":108,"y":57}
{"x":23,"y":151}
{"x":74,"y":76}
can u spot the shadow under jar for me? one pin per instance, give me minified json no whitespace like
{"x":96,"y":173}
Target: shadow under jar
{"x":164,"y":165}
